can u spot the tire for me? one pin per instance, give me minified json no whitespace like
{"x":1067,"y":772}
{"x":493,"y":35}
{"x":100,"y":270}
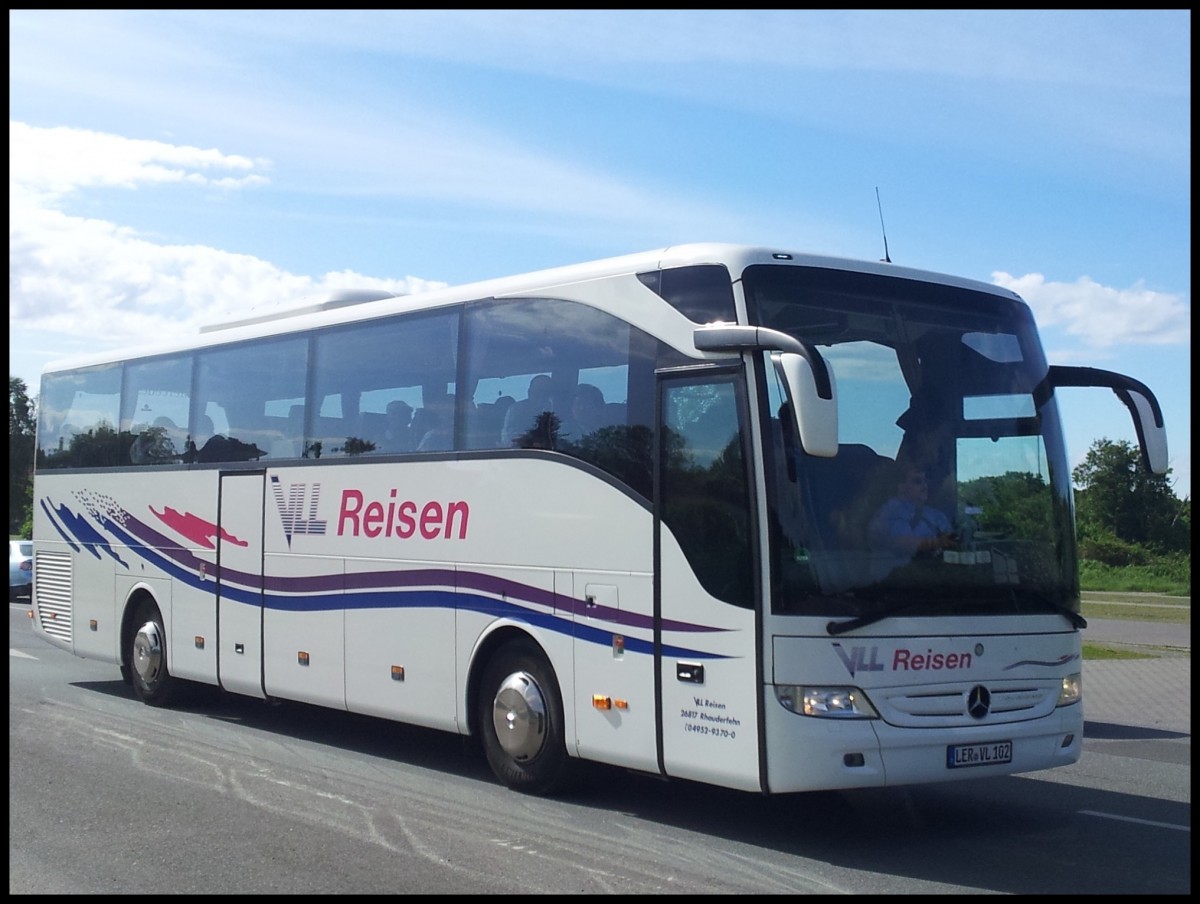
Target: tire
{"x":520,"y":717}
{"x":147,"y":658}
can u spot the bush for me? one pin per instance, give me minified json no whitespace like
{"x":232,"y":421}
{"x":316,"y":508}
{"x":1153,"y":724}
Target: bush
{"x":1165,"y":574}
{"x":1110,"y":550}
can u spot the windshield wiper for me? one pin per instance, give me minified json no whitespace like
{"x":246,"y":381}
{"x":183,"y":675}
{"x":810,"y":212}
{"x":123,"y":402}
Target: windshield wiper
{"x":1073,"y":617}
{"x":861,"y":621}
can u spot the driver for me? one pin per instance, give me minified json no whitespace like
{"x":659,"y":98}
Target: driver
{"x":904,"y":525}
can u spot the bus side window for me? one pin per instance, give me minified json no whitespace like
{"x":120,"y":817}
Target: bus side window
{"x":706,"y":497}
{"x":432,"y":427}
{"x":525,"y":423}
{"x":486,"y":422}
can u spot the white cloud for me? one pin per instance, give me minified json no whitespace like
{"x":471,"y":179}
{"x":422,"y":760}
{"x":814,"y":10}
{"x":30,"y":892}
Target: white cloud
{"x":91,"y":278}
{"x":81,"y":277}
{"x":1102,"y":316}
{"x":49,"y":164}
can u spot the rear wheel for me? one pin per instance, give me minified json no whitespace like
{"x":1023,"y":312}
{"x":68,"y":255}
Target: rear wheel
{"x":520,"y":717}
{"x":147,"y":657}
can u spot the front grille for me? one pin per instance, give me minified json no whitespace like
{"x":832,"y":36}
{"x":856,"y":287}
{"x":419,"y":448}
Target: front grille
{"x":52,"y":593}
{"x":947,"y":706}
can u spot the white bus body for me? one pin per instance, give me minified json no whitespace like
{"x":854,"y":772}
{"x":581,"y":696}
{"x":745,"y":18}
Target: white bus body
{"x":666,"y":590}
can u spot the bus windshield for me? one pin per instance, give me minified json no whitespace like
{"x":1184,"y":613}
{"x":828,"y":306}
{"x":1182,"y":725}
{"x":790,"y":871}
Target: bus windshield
{"x":950,"y":491}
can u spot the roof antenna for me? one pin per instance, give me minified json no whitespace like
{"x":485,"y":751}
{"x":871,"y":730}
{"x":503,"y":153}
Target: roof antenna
{"x":887,"y":259}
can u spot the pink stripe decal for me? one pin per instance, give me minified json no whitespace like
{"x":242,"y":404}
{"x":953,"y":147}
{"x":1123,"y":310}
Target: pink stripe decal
{"x":195,"y":528}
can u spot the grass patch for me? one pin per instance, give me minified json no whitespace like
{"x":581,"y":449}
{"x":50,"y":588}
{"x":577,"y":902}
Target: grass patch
{"x":1095,"y":652}
{"x":1170,"y":575}
{"x":1176,"y":615}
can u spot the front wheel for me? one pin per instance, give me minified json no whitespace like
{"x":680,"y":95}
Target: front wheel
{"x":520,"y":717}
{"x":147,"y":658}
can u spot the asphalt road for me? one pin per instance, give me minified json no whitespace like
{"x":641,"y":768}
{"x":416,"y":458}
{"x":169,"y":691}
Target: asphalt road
{"x":108,"y":796}
{"x":1158,"y":638}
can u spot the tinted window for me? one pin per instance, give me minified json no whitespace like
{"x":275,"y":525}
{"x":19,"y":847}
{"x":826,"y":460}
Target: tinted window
{"x":154,"y":409}
{"x":250,"y":401}
{"x":706,"y":498}
{"x":557,"y":375}
{"x":702,"y":293}
{"x":78,"y":420}
{"x":386,"y":386}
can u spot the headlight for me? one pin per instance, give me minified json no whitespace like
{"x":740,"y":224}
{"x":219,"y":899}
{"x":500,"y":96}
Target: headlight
{"x":825,"y":702}
{"x":1072,"y":689}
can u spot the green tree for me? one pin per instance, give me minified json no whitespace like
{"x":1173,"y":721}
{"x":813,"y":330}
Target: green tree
{"x":21,"y":427}
{"x":1013,"y":504}
{"x":1122,"y":500}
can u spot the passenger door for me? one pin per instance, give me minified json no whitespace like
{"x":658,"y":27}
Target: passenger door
{"x":240,"y":582}
{"x":705,"y":619}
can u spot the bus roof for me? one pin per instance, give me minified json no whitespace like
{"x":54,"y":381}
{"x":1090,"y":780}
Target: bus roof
{"x":347,"y":306}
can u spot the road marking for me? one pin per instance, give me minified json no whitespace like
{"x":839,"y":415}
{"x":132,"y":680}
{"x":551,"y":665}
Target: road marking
{"x":19,"y":654}
{"x":1145,"y":822}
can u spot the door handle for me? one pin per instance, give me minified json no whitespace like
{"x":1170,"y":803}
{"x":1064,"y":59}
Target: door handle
{"x":690,"y":671}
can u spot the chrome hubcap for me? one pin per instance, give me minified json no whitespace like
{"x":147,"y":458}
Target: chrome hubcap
{"x":519,"y":716}
{"x":147,"y":653}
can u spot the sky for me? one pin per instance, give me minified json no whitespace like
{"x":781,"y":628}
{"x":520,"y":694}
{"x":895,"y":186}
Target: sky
{"x":170,"y":169}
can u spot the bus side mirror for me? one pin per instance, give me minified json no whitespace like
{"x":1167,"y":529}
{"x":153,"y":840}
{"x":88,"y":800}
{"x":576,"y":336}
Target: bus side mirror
{"x":1152,"y":434}
{"x":805,"y":375}
{"x":816,"y":418}
{"x":1135,"y":395}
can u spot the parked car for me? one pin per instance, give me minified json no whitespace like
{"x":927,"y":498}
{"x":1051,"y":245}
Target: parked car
{"x":20,"y":568}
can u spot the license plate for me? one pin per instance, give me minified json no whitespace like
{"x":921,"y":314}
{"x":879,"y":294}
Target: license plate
{"x":992,"y":753}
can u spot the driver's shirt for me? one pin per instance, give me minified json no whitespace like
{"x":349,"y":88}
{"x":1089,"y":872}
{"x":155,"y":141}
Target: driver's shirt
{"x":898,"y":518}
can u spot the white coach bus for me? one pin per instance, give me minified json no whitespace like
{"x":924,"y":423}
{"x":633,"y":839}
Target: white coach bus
{"x":626,"y":512}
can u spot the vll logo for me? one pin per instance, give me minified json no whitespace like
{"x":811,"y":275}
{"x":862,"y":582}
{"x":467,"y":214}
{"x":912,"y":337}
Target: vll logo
{"x":291,"y":509}
{"x":856,"y":660}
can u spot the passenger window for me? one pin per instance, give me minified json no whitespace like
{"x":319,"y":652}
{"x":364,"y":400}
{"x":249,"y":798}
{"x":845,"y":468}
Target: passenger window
{"x":253,"y":383}
{"x":79,"y":418}
{"x":393,"y":381}
{"x":155,"y":403}
{"x":560,"y":376}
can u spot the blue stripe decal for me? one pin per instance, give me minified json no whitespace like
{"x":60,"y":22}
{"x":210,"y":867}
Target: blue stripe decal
{"x":58,"y":526}
{"x":387,"y":589}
